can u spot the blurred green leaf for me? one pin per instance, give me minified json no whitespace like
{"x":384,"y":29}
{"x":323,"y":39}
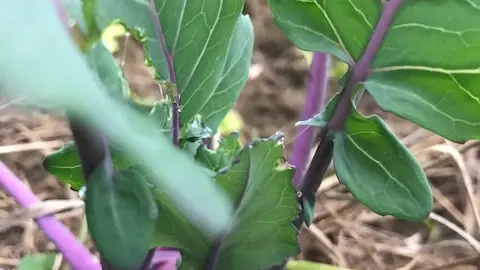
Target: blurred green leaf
{"x":262,"y":233}
{"x":380,"y":171}
{"x":44,"y":64}
{"x":121,"y":215}
{"x":40,"y":261}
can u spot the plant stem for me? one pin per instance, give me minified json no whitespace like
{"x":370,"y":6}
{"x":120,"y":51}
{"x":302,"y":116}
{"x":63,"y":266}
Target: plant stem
{"x":360,"y":69}
{"x":155,"y":253}
{"x":324,"y":153}
{"x":92,"y":147}
{"x":73,"y":250}
{"x":314,"y":102}
{"x":171,"y":71}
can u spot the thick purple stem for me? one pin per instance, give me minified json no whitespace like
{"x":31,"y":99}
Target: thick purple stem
{"x":360,"y":70}
{"x":73,"y":250}
{"x":314,"y":102}
{"x":171,"y":71}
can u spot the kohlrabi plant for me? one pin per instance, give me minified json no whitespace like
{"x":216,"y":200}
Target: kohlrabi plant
{"x":150,"y":181}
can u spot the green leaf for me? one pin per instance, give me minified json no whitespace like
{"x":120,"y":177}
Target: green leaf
{"x":412,"y":76}
{"x":327,"y":26}
{"x":211,"y":44}
{"x":44,"y":64}
{"x":431,"y":85}
{"x":64,"y":164}
{"x":41,"y":261}
{"x":121,"y":214}
{"x":109,"y":72}
{"x":262,"y":233}
{"x":99,"y":58}
{"x":222,"y":156}
{"x":215,"y":103}
{"x":379,"y":170}
{"x":307,"y":265}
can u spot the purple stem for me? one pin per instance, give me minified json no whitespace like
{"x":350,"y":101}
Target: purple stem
{"x":315,"y":100}
{"x":171,"y":71}
{"x":324,"y":153}
{"x":165,"y":258}
{"x":360,"y":70}
{"x":73,"y":250}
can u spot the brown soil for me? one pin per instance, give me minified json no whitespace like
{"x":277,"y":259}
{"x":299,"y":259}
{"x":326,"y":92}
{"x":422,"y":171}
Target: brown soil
{"x":345,"y":232}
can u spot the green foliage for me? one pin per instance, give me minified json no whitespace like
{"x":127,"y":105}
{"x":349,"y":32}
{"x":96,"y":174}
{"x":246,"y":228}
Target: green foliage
{"x":67,"y":81}
{"x":222,"y":156}
{"x":266,"y":205}
{"x":65,"y":164}
{"x":380,"y":171}
{"x":210,"y":41}
{"x":41,"y":261}
{"x":376,"y":167}
{"x":121,"y":215}
{"x":411,"y":76}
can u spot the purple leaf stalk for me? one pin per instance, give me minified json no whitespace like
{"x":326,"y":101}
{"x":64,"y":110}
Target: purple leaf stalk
{"x":324,"y":153}
{"x":314,"y":102}
{"x":72,"y":249}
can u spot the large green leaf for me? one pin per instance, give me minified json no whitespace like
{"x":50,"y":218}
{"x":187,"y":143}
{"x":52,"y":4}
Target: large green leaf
{"x":210,"y":41}
{"x":427,"y":67}
{"x":379,"y":170}
{"x":262,"y":233}
{"x":338,"y":27}
{"x":121,"y":215}
{"x":46,"y":66}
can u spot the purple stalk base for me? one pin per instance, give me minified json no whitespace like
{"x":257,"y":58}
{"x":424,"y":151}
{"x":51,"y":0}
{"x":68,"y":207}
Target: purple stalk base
{"x":314,"y":102}
{"x":73,"y":250}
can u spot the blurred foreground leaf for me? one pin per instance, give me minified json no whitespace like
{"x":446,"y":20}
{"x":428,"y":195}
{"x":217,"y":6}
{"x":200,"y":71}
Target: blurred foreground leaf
{"x":44,"y":64}
{"x":121,"y":215}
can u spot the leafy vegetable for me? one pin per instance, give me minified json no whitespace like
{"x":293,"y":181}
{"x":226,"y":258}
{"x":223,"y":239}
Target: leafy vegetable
{"x":263,"y":194}
{"x":210,"y":42}
{"x":411,"y":76}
